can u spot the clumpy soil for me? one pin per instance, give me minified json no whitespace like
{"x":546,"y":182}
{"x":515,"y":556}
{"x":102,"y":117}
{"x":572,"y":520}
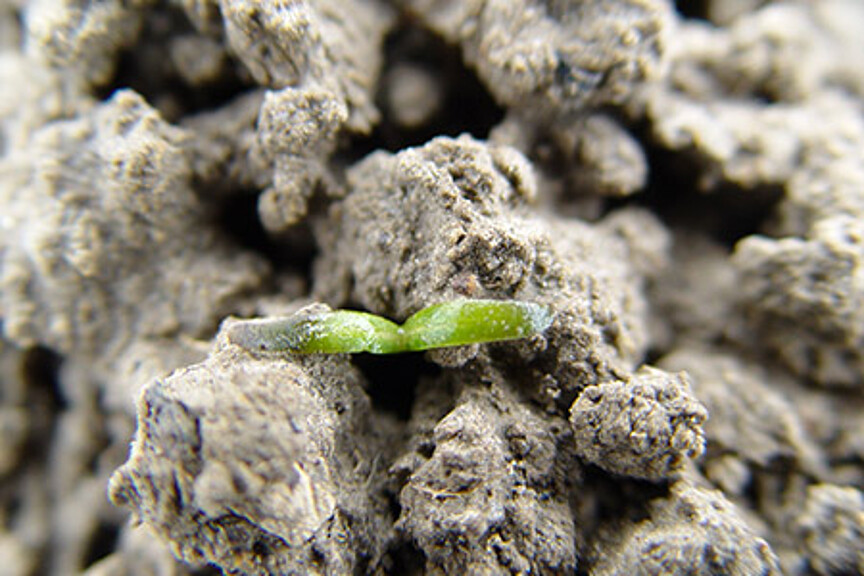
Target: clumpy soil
{"x":682,"y":186}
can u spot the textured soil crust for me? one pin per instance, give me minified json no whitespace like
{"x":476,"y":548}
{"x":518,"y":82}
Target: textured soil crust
{"x":682,"y":186}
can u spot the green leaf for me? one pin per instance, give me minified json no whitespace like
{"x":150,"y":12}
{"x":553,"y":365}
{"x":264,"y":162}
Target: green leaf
{"x":455,"y":323}
{"x":473,"y":322}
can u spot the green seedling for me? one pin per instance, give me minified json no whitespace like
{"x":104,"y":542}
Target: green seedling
{"x":453,"y":323}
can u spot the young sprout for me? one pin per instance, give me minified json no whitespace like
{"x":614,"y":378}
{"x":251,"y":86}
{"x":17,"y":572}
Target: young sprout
{"x":320,"y":330}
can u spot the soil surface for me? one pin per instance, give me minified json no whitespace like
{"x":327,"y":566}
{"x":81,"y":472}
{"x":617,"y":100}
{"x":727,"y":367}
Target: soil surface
{"x":680,"y":185}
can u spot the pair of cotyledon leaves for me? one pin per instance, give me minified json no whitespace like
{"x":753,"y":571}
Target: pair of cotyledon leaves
{"x":454,"y":323}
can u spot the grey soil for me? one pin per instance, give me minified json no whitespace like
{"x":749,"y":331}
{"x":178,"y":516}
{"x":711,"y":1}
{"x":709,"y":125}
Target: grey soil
{"x":682,"y":185}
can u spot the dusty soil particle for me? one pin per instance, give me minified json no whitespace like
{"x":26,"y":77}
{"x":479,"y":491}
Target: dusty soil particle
{"x":693,"y":531}
{"x":592,"y":53}
{"x":646,"y":427}
{"x":750,"y":417}
{"x":490,"y":497}
{"x":80,"y":262}
{"x":244,"y":463}
{"x":831,"y":527}
{"x":811,"y":288}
